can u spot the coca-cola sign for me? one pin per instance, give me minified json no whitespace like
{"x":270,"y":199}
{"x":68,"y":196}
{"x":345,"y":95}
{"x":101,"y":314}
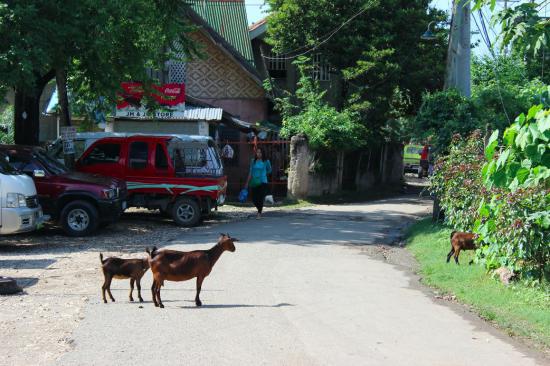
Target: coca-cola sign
{"x":170,"y":98}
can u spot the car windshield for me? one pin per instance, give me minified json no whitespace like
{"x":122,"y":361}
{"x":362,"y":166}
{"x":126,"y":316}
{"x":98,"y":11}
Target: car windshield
{"x":5,"y":167}
{"x":53,"y":166}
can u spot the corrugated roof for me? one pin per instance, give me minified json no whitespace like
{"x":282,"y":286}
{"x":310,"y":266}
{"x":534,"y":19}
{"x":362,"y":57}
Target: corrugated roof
{"x":203,"y":114}
{"x":228,"y":18}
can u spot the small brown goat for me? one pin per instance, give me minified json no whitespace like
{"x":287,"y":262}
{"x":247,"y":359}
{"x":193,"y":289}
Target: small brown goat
{"x":118,"y":268}
{"x":173,"y":265}
{"x":461,"y":241}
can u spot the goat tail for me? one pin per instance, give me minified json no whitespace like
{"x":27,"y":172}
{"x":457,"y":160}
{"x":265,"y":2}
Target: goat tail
{"x":152,"y":253}
{"x":453,"y":234}
{"x":101,"y":257}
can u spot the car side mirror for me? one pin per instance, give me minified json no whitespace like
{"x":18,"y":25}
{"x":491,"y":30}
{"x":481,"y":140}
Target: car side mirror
{"x":38,"y":173}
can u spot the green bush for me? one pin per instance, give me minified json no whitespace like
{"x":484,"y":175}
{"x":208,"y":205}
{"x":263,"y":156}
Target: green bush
{"x":505,"y":200}
{"x":457,"y":181}
{"x":6,"y":121}
{"x":514,"y":225}
{"x":442,"y":115}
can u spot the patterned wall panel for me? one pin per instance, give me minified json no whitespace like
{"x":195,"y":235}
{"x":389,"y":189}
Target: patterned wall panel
{"x":218,"y":75}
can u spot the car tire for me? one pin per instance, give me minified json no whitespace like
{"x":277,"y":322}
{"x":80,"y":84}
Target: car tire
{"x":79,"y":218}
{"x":186,"y":212}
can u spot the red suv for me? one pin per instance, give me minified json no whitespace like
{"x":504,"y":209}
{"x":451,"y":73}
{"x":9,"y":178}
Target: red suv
{"x":80,"y":202}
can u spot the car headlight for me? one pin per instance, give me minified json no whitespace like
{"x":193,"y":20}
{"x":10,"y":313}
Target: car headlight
{"x":15,"y":200}
{"x":109,"y":193}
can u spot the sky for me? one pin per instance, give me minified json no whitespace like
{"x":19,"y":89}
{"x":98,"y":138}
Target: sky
{"x":256,"y":10}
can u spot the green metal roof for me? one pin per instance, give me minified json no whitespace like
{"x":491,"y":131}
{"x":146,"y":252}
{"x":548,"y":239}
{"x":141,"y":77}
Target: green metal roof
{"x":228,"y":19}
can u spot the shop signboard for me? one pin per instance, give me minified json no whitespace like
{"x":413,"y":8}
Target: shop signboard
{"x":170,"y":100}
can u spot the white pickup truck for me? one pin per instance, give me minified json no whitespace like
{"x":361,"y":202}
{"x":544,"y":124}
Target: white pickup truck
{"x":19,"y":207}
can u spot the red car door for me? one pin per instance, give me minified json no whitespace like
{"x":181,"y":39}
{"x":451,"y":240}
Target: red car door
{"x":105,"y":157}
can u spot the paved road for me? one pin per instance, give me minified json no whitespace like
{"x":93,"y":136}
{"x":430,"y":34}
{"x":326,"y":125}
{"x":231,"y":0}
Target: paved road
{"x":297,"y":291}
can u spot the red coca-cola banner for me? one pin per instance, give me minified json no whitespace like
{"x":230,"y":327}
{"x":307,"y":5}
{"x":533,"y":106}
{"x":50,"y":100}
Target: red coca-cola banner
{"x":171,"y":95}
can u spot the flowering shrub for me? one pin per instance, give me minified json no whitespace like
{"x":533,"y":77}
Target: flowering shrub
{"x":457,"y":181}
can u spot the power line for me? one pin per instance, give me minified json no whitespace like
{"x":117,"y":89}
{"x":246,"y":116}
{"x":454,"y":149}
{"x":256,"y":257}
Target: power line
{"x":328,"y":35}
{"x":491,"y":51}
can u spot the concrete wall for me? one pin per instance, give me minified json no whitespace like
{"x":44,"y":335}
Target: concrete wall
{"x":302,"y":182}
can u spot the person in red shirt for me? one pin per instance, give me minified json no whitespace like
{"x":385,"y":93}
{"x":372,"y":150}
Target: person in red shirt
{"x":424,"y":164}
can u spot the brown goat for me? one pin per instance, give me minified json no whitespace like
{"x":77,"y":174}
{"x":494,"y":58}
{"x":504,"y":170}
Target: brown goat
{"x":461,"y":241}
{"x":173,"y":265}
{"x":118,"y":268}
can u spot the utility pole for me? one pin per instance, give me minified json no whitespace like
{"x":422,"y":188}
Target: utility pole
{"x":459,"y":51}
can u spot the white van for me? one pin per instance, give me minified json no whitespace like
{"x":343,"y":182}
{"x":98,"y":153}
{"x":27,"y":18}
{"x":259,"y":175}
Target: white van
{"x":19,"y":207}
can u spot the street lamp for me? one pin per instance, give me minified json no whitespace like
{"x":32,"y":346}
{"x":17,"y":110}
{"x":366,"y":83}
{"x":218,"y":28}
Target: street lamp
{"x":428,"y":34}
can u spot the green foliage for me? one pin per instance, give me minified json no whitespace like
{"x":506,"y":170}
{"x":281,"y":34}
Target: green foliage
{"x":524,"y":160}
{"x":506,"y":201}
{"x":374,"y":53}
{"x":515,"y":221}
{"x":500,"y":93}
{"x":522,"y":25}
{"x":443,"y":114}
{"x":518,"y":308}
{"x":457,"y":181}
{"x":6,"y":121}
{"x":325,"y":127}
{"x":99,"y":43}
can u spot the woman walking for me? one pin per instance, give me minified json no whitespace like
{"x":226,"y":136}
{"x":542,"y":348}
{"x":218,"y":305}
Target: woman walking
{"x":257,"y":180}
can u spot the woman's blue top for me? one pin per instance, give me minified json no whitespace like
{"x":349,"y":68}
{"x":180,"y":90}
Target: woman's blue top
{"x":259,"y":170}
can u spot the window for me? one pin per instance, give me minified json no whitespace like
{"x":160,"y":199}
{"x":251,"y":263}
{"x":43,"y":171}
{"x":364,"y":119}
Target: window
{"x":276,"y":65}
{"x":138,"y":155}
{"x":161,"y":162}
{"x":103,"y":154}
{"x":23,"y":163}
{"x":321,"y":68}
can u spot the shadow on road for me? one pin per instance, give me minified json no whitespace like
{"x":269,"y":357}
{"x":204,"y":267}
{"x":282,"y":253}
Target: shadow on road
{"x":231,"y":306}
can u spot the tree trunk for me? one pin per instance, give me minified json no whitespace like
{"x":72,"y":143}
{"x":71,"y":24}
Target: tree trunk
{"x":26,"y":118}
{"x":61,"y":81}
{"x":64,"y":115}
{"x":27,"y":111}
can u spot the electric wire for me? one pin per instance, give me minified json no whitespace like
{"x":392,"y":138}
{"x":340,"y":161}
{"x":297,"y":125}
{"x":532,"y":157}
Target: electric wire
{"x":314,"y":47}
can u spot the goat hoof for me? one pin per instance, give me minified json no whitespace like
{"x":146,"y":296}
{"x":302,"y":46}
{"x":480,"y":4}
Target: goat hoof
{"x":156,"y":305}
{"x":161,"y":306}
{"x":104,"y":301}
{"x":198,"y":303}
{"x":140,"y":299}
{"x":131,"y":299}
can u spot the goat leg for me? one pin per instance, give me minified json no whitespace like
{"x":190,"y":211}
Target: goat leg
{"x":158,"y":296}
{"x":457,"y":253}
{"x":138,"y":283}
{"x":154,"y":293}
{"x":132,"y":288}
{"x":450,"y":254}
{"x":199,"y":285}
{"x":103,"y":288}
{"x":108,"y":287}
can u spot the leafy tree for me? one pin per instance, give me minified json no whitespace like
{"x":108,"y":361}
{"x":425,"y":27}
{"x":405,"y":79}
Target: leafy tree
{"x":95,"y":44}
{"x":443,"y":114}
{"x":325,"y":127}
{"x":378,"y":51}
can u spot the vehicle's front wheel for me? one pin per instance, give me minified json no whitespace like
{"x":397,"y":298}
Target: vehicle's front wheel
{"x":186,"y":212}
{"x":79,"y":218}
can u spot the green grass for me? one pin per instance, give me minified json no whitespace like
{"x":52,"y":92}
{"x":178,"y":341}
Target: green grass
{"x":519,"y":310}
